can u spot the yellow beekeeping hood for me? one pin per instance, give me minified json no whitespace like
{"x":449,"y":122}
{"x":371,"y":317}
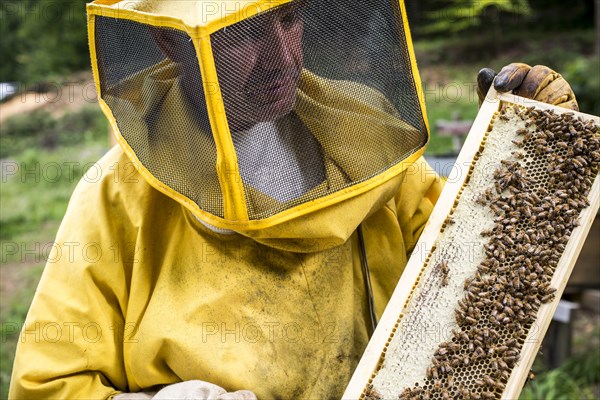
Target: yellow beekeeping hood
{"x":254,"y":113}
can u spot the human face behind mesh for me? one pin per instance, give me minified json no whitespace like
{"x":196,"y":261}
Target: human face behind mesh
{"x":258,"y":65}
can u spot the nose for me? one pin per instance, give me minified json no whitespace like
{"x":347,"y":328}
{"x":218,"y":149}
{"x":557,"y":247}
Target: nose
{"x":277,"y":48}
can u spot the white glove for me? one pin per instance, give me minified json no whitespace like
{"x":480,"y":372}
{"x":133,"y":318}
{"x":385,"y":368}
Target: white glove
{"x":134,"y":396}
{"x":190,"y":390}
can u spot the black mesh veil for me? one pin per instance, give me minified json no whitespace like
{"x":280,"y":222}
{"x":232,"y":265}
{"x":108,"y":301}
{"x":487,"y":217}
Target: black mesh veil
{"x":366,"y":43}
{"x":349,"y":57}
{"x":318,"y":96}
{"x":150,"y":78}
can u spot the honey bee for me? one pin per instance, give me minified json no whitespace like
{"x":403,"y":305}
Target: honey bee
{"x":405,"y":395}
{"x":548,"y":298}
{"x":444,"y":266}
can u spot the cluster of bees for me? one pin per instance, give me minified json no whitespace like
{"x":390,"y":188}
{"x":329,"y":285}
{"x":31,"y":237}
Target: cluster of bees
{"x":536,"y":199}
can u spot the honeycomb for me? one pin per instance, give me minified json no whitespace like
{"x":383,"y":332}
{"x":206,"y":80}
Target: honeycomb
{"x":477,"y":297}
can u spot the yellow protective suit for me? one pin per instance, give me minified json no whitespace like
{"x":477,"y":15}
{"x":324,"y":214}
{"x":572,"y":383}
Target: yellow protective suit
{"x":156,"y":297}
{"x":140,"y":293}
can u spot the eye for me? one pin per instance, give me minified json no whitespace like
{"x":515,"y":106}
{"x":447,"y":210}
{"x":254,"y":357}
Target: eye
{"x":290,"y":19}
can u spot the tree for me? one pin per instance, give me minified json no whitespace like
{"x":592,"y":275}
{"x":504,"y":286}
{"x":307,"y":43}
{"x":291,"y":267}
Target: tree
{"x":42,"y":39}
{"x":457,"y":15}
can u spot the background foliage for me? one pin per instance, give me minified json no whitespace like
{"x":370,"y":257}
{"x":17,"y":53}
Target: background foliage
{"x":42,"y":39}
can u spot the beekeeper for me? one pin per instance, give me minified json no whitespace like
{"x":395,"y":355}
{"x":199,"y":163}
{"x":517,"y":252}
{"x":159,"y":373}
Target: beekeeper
{"x":250,"y":228}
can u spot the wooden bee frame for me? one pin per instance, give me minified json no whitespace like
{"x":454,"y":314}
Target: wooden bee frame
{"x":374,"y":358}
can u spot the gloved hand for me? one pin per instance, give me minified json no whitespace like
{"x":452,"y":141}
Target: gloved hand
{"x":190,"y":390}
{"x":539,"y":83}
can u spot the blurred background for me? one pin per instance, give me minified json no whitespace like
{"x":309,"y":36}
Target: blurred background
{"x":52,"y":131}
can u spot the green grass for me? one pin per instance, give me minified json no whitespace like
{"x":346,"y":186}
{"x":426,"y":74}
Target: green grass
{"x":450,"y":93}
{"x":578,"y":378}
{"x":37,"y":182}
{"x":40,"y":130}
{"x":12,"y":314}
{"x":449,"y":67}
{"x":440,"y":108}
{"x":38,"y":185}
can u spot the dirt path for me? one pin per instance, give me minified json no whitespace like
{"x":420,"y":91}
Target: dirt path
{"x":70,"y":96}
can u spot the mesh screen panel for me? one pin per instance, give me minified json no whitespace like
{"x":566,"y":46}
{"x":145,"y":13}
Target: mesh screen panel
{"x":150,"y":79}
{"x":319,"y":96}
